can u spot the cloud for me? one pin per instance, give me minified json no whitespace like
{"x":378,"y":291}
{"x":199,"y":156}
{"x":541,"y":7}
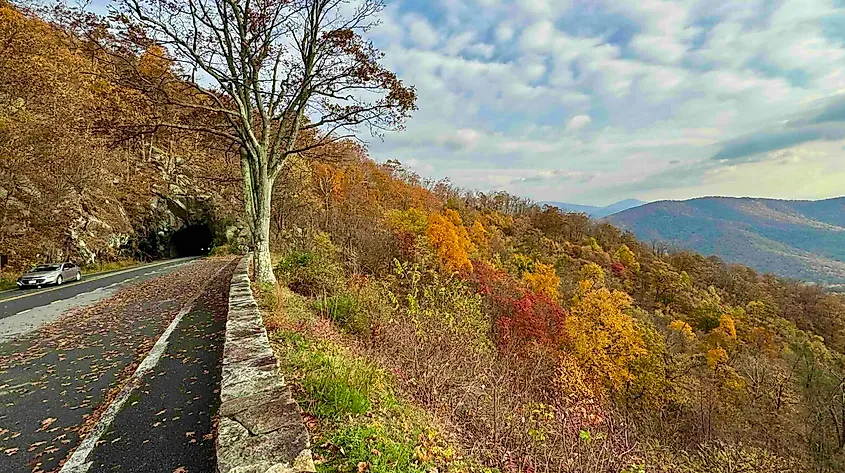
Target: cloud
{"x":578,"y":122}
{"x":747,"y":147}
{"x":538,"y":36}
{"x":461,"y":140}
{"x":648,"y":97}
{"x":835,"y":112}
{"x":421,"y":32}
{"x":658,"y":48}
{"x":504,"y":33}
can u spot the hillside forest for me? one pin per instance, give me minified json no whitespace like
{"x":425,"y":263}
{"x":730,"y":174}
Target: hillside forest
{"x":541,"y":340}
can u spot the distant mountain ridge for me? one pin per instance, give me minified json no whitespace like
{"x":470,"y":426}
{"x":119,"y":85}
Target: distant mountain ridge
{"x":799,"y":239}
{"x":596,"y":212}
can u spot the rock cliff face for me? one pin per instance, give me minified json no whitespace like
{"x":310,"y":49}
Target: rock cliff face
{"x":106,"y":221}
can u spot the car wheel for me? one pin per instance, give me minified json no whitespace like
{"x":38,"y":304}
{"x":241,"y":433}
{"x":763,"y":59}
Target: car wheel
{"x":59,"y":281}
{"x":78,"y":276}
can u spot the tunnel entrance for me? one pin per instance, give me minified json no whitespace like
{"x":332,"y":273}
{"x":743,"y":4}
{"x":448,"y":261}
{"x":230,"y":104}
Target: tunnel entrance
{"x":191,"y":240}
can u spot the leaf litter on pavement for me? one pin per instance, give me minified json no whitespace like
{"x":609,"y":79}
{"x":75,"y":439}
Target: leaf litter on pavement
{"x":58,"y":379}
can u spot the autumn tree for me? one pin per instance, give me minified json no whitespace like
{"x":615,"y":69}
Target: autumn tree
{"x":288,"y":77}
{"x":449,"y":237}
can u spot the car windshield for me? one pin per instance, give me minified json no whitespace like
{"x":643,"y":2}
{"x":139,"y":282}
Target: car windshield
{"x":46,"y":267}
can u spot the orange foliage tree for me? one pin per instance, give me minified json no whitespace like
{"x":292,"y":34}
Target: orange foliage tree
{"x":449,"y":238}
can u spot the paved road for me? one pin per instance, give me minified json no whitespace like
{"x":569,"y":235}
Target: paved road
{"x":173,"y":408}
{"x":26,"y":310}
{"x":17,"y":300}
{"x":59,"y":380}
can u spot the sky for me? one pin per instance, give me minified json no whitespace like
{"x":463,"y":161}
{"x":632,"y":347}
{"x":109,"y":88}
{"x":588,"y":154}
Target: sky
{"x":594,"y":101}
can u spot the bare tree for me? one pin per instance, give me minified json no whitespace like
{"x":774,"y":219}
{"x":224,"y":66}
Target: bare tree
{"x":289,"y":75}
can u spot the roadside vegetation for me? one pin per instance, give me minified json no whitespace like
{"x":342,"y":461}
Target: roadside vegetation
{"x":7,"y":281}
{"x":539,"y":340}
{"x":358,"y":419}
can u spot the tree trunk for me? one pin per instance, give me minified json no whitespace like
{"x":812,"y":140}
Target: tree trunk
{"x":261,"y":231}
{"x":258,"y":194}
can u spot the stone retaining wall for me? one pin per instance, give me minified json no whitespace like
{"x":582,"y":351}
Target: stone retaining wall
{"x":260,"y":429}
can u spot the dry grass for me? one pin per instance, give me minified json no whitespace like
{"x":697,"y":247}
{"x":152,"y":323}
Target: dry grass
{"x":356,"y":413}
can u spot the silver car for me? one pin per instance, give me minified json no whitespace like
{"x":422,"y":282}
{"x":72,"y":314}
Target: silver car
{"x":45,"y":274}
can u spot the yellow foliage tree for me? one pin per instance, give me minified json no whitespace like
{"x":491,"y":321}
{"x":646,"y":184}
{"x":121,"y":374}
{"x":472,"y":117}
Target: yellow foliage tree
{"x":716,"y":357}
{"x":478,"y":235}
{"x":594,"y":274}
{"x":449,"y":238}
{"x":543,"y":280}
{"x":727,"y":326}
{"x":412,"y":220}
{"x":154,"y":63}
{"x":602,"y":336}
{"x":626,"y":257}
{"x":683,"y":329}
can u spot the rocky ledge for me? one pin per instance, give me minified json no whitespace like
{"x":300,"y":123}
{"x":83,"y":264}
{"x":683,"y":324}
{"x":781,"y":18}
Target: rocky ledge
{"x":260,"y":429}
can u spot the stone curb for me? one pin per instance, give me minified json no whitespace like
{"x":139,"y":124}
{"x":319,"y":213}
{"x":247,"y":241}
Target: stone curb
{"x":260,"y":429}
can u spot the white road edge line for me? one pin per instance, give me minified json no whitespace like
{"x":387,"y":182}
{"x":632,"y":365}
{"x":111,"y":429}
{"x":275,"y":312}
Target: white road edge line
{"x":77,"y":462}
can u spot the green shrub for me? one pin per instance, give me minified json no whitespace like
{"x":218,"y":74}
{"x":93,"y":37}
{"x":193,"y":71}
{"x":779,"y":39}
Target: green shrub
{"x":226,"y":249}
{"x":382,"y":450}
{"x":294,"y":261}
{"x":346,"y":311}
{"x":7,"y":281}
{"x":335,"y":384}
{"x":314,"y":272}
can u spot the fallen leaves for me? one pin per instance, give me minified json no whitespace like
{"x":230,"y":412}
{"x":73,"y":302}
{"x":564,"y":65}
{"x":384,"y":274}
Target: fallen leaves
{"x":46,"y":423}
{"x":35,"y":446}
{"x":88,"y":353}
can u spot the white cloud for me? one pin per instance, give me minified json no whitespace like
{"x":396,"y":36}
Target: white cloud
{"x":421,"y":32}
{"x":539,"y":83}
{"x":578,"y":122}
{"x":459,"y":43}
{"x":658,"y":48}
{"x":536,"y":7}
{"x":464,"y":139}
{"x":505,"y":33}
{"x":537,"y":36}
{"x":483,"y":50}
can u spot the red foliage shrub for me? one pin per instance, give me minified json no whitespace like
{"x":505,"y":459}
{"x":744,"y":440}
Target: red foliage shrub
{"x":407,"y":244}
{"x":521,"y":317}
{"x":533,"y":318}
{"x":618,"y":269}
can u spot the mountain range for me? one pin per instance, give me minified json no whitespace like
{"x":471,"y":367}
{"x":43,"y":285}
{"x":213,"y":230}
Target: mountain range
{"x":798,"y":239}
{"x":596,"y":212}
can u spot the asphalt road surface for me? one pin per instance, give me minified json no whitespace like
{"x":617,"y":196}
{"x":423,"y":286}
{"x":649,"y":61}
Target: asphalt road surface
{"x":17,"y":300}
{"x":116,"y":374}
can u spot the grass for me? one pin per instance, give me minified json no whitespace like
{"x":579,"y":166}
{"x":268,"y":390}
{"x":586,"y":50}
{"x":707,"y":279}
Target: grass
{"x":357,"y":419}
{"x":7,"y":281}
{"x":343,"y":309}
{"x":334,"y":384}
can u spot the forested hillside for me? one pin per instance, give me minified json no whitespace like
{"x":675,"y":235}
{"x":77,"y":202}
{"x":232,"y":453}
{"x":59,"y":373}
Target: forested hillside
{"x":798,"y":239}
{"x":557,"y":343}
{"x":537,"y":340}
{"x":84,"y":171}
